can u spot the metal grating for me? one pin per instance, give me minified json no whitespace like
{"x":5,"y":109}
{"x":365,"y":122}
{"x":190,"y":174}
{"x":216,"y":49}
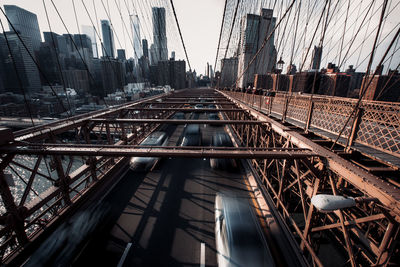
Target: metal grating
{"x":331,"y":114}
{"x":298,"y":108}
{"x":380,"y":126}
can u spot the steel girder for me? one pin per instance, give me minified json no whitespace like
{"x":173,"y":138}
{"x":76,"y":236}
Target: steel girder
{"x":367,"y":233}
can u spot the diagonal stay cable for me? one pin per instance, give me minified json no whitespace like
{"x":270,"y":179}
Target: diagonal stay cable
{"x":220,"y":35}
{"x":180,"y":34}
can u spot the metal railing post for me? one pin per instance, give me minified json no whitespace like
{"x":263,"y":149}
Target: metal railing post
{"x":285,"y":108}
{"x":309,"y":115}
{"x":354,"y":129}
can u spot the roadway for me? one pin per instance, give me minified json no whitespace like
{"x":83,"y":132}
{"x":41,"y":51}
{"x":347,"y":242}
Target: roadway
{"x":167,"y":215}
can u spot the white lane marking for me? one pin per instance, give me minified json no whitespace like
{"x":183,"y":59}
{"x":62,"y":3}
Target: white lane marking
{"x":121,"y":261}
{"x":202,"y":255}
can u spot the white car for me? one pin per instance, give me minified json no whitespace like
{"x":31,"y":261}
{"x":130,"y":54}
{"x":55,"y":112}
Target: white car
{"x":145,"y":163}
{"x":238,"y":235}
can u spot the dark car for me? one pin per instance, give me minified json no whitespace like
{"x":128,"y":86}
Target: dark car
{"x":191,"y":135}
{"x":179,"y":116}
{"x":212,"y":106}
{"x":222,"y":140}
{"x":213,"y":116}
{"x":145,"y":163}
{"x":199,"y":106}
{"x":194,"y":116}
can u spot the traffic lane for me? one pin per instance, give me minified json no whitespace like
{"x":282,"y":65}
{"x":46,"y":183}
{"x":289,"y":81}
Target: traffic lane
{"x":64,"y":246}
{"x":168,"y":216}
{"x":173,"y":233}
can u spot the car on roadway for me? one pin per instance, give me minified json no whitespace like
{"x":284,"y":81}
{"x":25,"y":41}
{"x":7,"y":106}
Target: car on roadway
{"x":194,"y":116}
{"x":199,"y":106}
{"x":213,"y":116}
{"x":146,"y":163}
{"x":239,"y":238}
{"x":179,"y":116}
{"x":213,"y":106}
{"x":191,"y":135}
{"x":187,"y":106}
{"x":222,"y":140}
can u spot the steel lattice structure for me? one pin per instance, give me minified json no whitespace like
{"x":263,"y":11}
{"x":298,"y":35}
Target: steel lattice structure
{"x":368,"y":233}
{"x":74,"y":158}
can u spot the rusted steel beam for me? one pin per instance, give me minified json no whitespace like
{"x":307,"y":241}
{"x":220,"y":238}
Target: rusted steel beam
{"x":122,"y":146}
{"x":349,"y":223}
{"x":60,"y":126}
{"x":173,"y":121}
{"x":111,"y":151}
{"x":15,"y":215}
{"x":190,"y":109}
{"x":30,"y":181}
{"x":349,"y":244}
{"x":367,"y":183}
{"x":195,"y":98}
{"x":191,"y":103}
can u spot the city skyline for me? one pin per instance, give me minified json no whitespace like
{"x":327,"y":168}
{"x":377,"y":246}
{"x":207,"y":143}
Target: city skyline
{"x":200,"y":25}
{"x":193,"y":33}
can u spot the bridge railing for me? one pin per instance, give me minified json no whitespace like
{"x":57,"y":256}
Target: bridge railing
{"x":374,"y":124}
{"x":38,"y":189}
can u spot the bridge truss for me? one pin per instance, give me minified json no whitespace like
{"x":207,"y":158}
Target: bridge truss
{"x":66,"y":163}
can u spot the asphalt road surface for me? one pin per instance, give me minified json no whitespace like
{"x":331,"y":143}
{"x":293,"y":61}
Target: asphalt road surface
{"x":164,"y":217}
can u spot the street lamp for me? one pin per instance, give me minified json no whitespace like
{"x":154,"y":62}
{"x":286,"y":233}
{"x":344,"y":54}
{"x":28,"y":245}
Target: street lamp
{"x":329,"y":203}
{"x":279,"y":65}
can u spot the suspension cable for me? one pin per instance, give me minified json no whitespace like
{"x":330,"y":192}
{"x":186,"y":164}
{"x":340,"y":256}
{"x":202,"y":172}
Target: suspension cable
{"x":180,"y":34}
{"x":220,"y":34}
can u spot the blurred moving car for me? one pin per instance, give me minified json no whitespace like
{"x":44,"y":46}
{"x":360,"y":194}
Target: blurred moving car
{"x":145,"y":163}
{"x":187,"y":106}
{"x":194,"y":116}
{"x":239,"y":238}
{"x":222,"y":140}
{"x":179,"y":116}
{"x":213,"y":116}
{"x":212,"y":106}
{"x":199,"y":106}
{"x":191,"y":135}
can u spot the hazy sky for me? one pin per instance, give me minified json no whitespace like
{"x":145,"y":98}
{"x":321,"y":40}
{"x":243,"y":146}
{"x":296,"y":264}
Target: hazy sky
{"x":200,"y":23}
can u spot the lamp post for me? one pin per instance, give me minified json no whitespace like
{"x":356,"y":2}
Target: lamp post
{"x":329,"y":203}
{"x":279,"y":65}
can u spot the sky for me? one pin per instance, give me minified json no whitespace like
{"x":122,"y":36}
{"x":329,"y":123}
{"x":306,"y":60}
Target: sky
{"x":200,"y":23}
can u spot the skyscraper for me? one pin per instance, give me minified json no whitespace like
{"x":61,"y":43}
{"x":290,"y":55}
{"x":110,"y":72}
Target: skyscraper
{"x":145,"y":47}
{"x":136,"y":37}
{"x":108,"y":39}
{"x":316,"y":58}
{"x":121,"y":54}
{"x":159,"y":34}
{"x":25,"y":65}
{"x":254,"y":29}
{"x":90,"y":31}
{"x":229,"y":73}
{"x":25,"y":23}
